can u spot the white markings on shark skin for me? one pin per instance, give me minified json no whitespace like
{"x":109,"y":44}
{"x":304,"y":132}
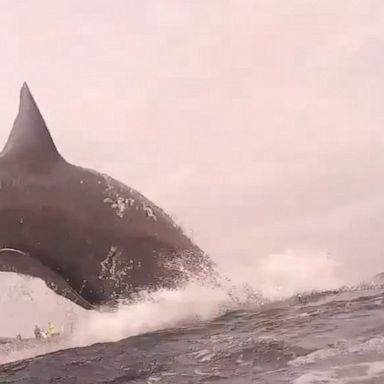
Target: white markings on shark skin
{"x":149,"y":212}
{"x":21,"y":221}
{"x":105,"y":262}
{"x":118,"y":203}
{"x":110,"y":266}
{"x":121,"y":207}
{"x":82,"y":286}
{"x":121,"y":204}
{"x":13,"y":250}
{"x":53,"y":286}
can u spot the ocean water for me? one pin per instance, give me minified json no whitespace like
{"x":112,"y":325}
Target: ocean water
{"x":290,"y":320}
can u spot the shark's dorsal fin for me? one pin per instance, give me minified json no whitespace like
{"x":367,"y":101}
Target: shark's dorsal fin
{"x":30,"y":139}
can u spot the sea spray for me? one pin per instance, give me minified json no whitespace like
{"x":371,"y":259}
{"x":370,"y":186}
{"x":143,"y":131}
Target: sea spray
{"x":249,"y":281}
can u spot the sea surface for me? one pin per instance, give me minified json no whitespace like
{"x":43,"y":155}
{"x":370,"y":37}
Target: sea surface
{"x":334,"y":336}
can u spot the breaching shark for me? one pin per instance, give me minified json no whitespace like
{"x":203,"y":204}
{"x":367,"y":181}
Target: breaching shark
{"x":91,"y":238}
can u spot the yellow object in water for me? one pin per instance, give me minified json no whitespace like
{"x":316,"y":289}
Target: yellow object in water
{"x":51,"y":329}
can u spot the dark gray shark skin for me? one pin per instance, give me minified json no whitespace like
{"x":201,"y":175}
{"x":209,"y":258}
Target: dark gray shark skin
{"x":91,"y":238}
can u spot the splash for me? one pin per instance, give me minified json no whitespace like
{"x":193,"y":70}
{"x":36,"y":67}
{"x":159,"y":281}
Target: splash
{"x":276,"y":277}
{"x":292,"y":272}
{"x":282,"y":275}
{"x":151,"y":312}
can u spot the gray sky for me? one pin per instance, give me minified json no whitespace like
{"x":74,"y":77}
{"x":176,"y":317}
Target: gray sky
{"x":257,"y":124}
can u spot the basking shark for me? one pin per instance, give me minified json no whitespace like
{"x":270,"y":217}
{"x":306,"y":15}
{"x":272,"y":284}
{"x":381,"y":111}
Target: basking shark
{"x":91,"y":238}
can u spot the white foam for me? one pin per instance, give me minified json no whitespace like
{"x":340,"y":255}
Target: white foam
{"x":163,"y":309}
{"x":342,"y":347}
{"x":313,"y":357}
{"x":324,"y":377}
{"x":344,"y":374}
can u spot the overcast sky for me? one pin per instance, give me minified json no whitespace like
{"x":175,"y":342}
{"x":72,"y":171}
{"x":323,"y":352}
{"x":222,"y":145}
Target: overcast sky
{"x":257,"y":123}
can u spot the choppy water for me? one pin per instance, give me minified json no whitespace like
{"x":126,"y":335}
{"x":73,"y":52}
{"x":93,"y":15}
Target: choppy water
{"x":329,"y":337}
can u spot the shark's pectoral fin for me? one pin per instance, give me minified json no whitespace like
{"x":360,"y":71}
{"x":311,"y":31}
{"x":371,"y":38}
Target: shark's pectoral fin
{"x":13,"y":260}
